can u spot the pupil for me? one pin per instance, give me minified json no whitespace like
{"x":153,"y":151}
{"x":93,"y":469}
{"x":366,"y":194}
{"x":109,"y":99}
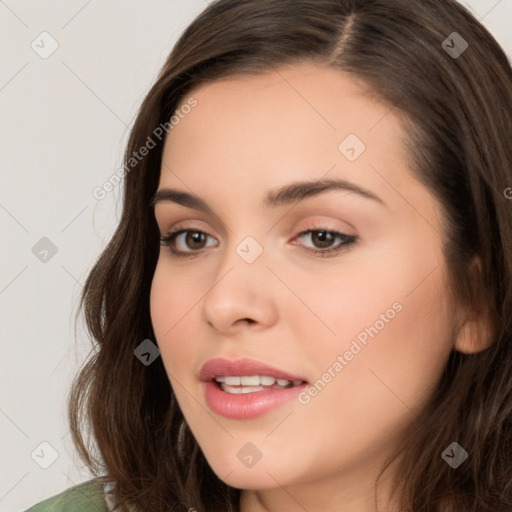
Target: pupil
{"x":325,"y":238}
{"x":195,"y":238}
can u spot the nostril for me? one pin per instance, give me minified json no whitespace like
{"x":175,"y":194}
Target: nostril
{"x":248,"y":320}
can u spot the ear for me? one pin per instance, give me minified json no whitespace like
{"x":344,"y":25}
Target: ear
{"x":474,"y":336}
{"x":477,"y":329}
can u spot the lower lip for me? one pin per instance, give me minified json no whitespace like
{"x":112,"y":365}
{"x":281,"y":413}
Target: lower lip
{"x":244,"y":406}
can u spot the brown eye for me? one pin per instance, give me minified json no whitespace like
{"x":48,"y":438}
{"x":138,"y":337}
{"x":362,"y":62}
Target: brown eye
{"x":186,"y":242}
{"x":326,"y":242}
{"x":195,"y":239}
{"x":322,"y":239}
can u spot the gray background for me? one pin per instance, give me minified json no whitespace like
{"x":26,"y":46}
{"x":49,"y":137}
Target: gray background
{"x":64,"y":122}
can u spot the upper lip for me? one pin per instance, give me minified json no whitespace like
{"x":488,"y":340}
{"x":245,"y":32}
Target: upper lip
{"x":239,"y":367}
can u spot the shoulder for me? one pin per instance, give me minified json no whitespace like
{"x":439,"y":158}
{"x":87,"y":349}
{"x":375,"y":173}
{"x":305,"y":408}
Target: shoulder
{"x":85,"y":497}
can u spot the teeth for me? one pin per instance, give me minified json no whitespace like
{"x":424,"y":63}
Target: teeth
{"x":241,"y":390}
{"x":234,"y":391}
{"x":252,"y":383}
{"x":254,"y":380}
{"x":251,"y":389}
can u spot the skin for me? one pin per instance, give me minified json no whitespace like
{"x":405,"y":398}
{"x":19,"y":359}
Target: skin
{"x":294,"y":309}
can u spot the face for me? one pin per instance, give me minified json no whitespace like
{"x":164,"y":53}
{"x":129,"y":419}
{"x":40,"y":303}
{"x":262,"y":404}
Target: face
{"x":339,"y":284}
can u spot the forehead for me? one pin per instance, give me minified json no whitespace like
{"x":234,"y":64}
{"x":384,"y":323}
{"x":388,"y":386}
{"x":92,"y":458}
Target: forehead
{"x":325,"y":100}
{"x":285,"y":105}
{"x":295,"y":122}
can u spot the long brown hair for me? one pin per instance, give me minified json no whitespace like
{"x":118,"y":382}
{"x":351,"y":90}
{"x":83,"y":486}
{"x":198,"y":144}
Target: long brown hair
{"x":458,"y":109}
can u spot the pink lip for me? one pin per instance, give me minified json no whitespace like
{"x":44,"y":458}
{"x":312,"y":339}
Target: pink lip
{"x":248,"y":405}
{"x":219,"y":367}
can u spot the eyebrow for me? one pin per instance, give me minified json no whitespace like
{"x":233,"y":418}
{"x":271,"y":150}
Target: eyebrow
{"x":288,"y":194}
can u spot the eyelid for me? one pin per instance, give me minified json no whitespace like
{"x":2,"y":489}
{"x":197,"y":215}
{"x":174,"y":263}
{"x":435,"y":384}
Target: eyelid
{"x":320,"y":222}
{"x":189,"y":225}
{"x":166,"y":220}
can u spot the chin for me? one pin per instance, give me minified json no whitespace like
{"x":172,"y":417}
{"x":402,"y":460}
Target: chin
{"x":240,"y":464}
{"x":247,"y":478}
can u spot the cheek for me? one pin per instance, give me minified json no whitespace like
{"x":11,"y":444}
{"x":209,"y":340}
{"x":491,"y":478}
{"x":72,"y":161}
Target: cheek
{"x":172,"y":304}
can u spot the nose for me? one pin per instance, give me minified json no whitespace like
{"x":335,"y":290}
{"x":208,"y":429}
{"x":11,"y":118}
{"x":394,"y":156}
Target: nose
{"x":242,"y":295}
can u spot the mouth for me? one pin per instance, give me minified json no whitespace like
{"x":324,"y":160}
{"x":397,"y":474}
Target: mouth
{"x":244,"y":388}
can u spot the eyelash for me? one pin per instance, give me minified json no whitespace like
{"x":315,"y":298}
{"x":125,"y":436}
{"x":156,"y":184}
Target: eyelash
{"x":347,"y":242}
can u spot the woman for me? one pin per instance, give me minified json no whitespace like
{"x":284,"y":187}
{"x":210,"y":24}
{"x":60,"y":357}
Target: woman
{"x":306,"y":303}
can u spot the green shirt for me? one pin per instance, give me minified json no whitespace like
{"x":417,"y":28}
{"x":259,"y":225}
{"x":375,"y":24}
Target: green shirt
{"x":85,"y":497}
